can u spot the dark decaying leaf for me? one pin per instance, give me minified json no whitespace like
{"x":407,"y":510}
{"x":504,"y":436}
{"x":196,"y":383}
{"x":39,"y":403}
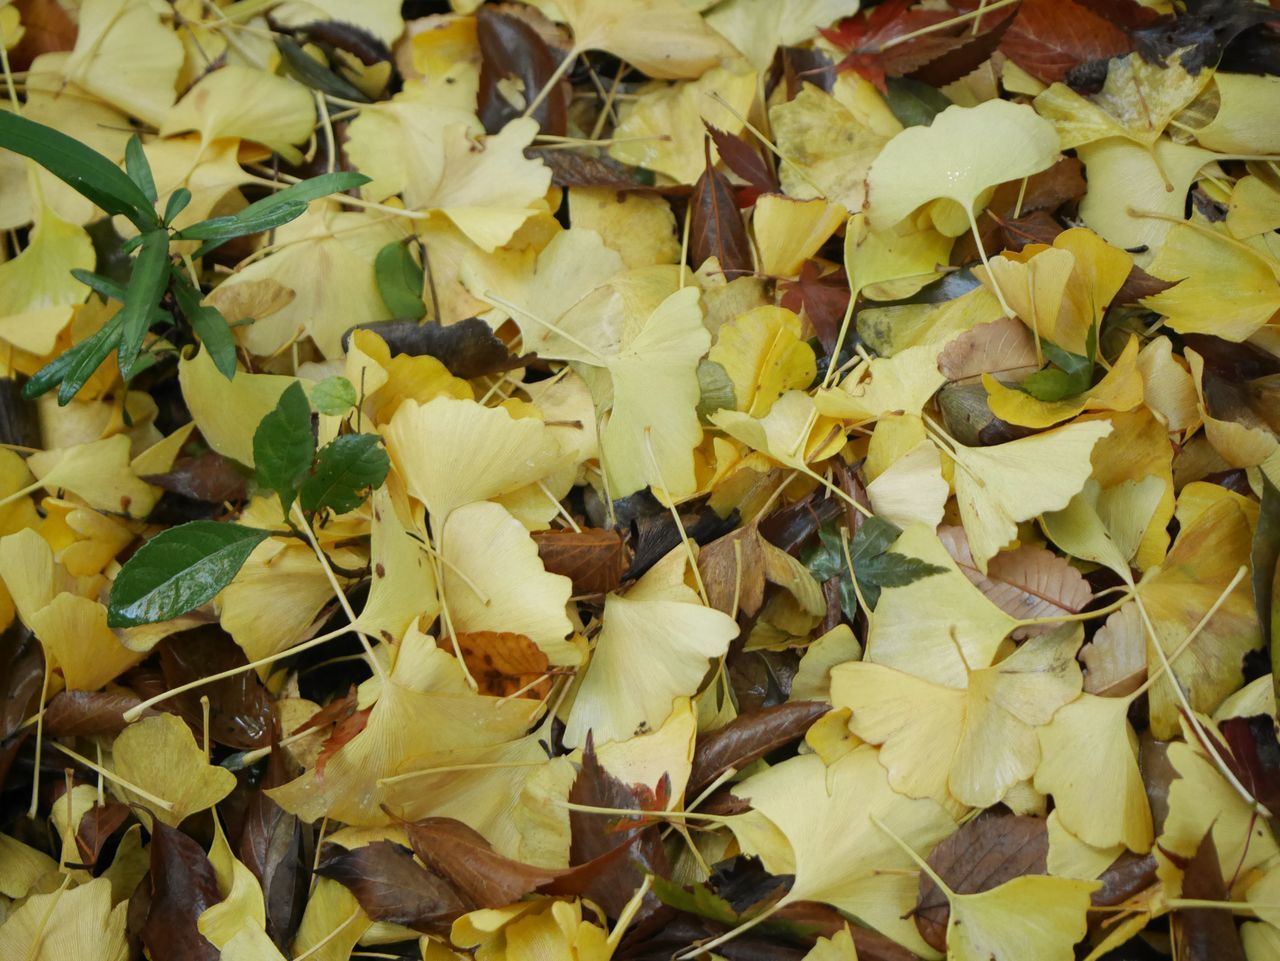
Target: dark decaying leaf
{"x":968,"y":51}
{"x":239,"y":706}
{"x":575,"y":168}
{"x":1206,"y":26}
{"x":96,"y":827}
{"x":182,"y":887}
{"x":270,"y":845}
{"x":748,"y":163}
{"x":982,"y":854}
{"x":1049,"y":37}
{"x":19,"y":421}
{"x":468,"y":348}
{"x":391,"y":886}
{"x":1206,"y":934}
{"x":1253,"y":754}
{"x":654,"y":535}
{"x":21,"y":677}
{"x":1126,"y":876}
{"x":716,"y":229}
{"x":511,"y":50}
{"x":824,"y":298}
{"x":348,"y":37}
{"x":1137,"y":285}
{"x":468,"y":862}
{"x":750,"y":736}
{"x":593,"y":558}
{"x":88,"y":713}
{"x":208,"y":477}
{"x":1263,"y":559}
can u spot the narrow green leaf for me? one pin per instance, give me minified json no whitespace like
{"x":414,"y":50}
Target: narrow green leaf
{"x":178,"y":570}
{"x":138,"y":168}
{"x":314,"y":74}
{"x":209,"y":324}
{"x":333,"y":395}
{"x":283,"y":445}
{"x":83,"y":169}
{"x":346,"y":468}
{"x":59,"y":370}
{"x":146,"y":287}
{"x":242,"y":224}
{"x":105,"y":286}
{"x":176,"y":204}
{"x":399,"y":280}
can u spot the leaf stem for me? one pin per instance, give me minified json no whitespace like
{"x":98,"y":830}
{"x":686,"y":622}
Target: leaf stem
{"x":910,"y":852}
{"x":112,"y":776}
{"x":556,"y":76}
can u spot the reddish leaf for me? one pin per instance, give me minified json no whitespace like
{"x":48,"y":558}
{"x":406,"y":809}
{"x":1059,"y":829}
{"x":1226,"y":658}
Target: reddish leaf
{"x":716,"y":229}
{"x":336,"y":710}
{"x":1128,"y":15}
{"x":511,"y":49}
{"x":210,"y":478}
{"x":750,"y":736}
{"x":504,"y":663}
{"x":391,"y":886}
{"x":48,"y":30}
{"x":343,"y":731}
{"x":864,"y":35}
{"x":747,"y":163}
{"x":593,"y":558}
{"x":983,"y":854}
{"x":270,"y":846}
{"x":824,"y":298}
{"x":21,"y":677}
{"x":1125,"y":877}
{"x":1254,"y":757}
{"x":468,"y":862}
{"x":239,"y":707}
{"x":1139,"y":284}
{"x":88,"y":713}
{"x":1050,"y":37}
{"x":96,"y":827}
{"x":1206,"y":934}
{"x":967,"y":52}
{"x":183,"y":886}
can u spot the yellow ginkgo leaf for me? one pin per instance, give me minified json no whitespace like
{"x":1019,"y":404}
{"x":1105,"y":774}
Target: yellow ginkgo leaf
{"x":494,"y":581}
{"x":74,"y":632}
{"x":22,"y":867}
{"x":1167,"y":387}
{"x":159,"y":756}
{"x":902,"y":383}
{"x":1205,"y":558}
{"x":973,"y":743}
{"x":653,"y":424}
{"x":666,"y":753}
{"x":1136,"y":102}
{"x":380,"y":17}
{"x":75,"y":922}
{"x":663,"y":130}
{"x":126,"y":56}
{"x":837,"y":853}
{"x":1254,"y":208}
{"x":758,"y":28}
{"x":1120,"y":389}
{"x":662,"y":38}
{"x":222,"y":408}
{"x":237,"y":101}
{"x":1223,"y":286}
{"x":658,"y":621}
{"x":423,"y":704}
{"x":641,"y":227}
{"x":895,"y":261}
{"x":939,"y":627}
{"x":963,"y":153}
{"x":789,"y":231}
{"x":764,"y":355}
{"x":997,"y":487}
{"x":99,"y":472}
{"x":278,"y":567}
{"x":911,"y":490}
{"x":332,"y":923}
{"x":241,"y":906}
{"x":1069,"y":857}
{"x":404,"y":584}
{"x":838,"y":947}
{"x":37,"y":290}
{"x":792,"y":433}
{"x":1027,"y":917}
{"x":828,"y":151}
{"x":1090,"y":765}
{"x":505,"y":453}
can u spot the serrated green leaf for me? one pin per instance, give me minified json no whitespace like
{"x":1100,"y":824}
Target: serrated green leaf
{"x":333,"y":395}
{"x":399,"y":281}
{"x":142,"y":295}
{"x":874,"y":564}
{"x":209,"y":324}
{"x":178,"y":570}
{"x":85,"y":170}
{"x":138,"y":169}
{"x":346,"y":468}
{"x":283,"y":445}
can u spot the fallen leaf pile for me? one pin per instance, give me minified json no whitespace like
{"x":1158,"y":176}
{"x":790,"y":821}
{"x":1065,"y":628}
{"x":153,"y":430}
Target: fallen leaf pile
{"x":742,"y":478}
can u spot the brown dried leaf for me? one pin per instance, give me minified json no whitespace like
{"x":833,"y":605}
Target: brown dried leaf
{"x":89,"y":713}
{"x":1003,"y":346}
{"x":1027,"y":582}
{"x":716,"y":229}
{"x":466,"y":860}
{"x":748,"y":737}
{"x":270,"y":846}
{"x":209,"y":477}
{"x":21,"y":677}
{"x":183,"y":886}
{"x":745,"y":161}
{"x":239,"y":707}
{"x":96,"y":827}
{"x":575,"y":168}
{"x":733,"y":566}
{"x":985,"y":853}
{"x":1116,"y":659}
{"x":48,"y":30}
{"x":1050,"y":37}
{"x":593,"y":558}
{"x":514,"y":54}
{"x":503,"y":663}
{"x":468,"y":348}
{"x":391,"y":886}
{"x":1206,"y":934}
{"x":343,"y":731}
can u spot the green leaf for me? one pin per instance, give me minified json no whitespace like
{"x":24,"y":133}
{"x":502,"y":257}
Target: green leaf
{"x":108,"y":288}
{"x":333,"y":395}
{"x":399,"y":281}
{"x":283,"y":445}
{"x":177,"y":203}
{"x":209,"y":324}
{"x":876,"y":566}
{"x":701,"y":901}
{"x":85,"y":170}
{"x":138,"y":169}
{"x":241,"y":224}
{"x":913,"y":102}
{"x":146,"y":287}
{"x":346,"y":467}
{"x":314,"y":74}
{"x":178,"y":570}
{"x":1070,"y":375}
{"x":64,"y":369}
{"x":715,"y":389}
